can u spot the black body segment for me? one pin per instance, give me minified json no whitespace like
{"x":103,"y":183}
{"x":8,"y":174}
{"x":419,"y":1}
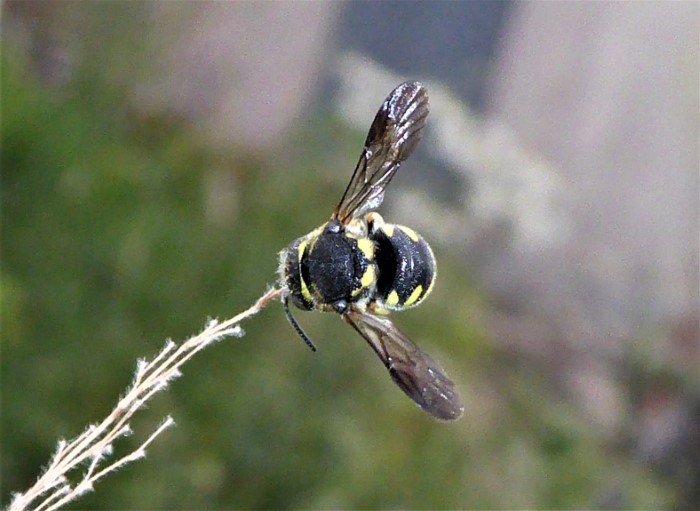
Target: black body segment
{"x":406,"y":267}
{"x":329,"y":268}
{"x":333,"y":267}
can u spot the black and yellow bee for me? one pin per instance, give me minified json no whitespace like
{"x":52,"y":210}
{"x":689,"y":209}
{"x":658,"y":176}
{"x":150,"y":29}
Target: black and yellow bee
{"x":362,"y":268}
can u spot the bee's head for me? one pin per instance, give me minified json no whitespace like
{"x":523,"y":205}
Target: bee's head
{"x":289,"y":270}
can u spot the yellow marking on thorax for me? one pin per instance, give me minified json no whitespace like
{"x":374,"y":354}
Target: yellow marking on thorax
{"x":368,"y":277}
{"x":367,"y":247}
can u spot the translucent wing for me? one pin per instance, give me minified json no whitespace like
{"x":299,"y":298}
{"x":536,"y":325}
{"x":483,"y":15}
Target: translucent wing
{"x":415,"y":372}
{"x":394,"y":133}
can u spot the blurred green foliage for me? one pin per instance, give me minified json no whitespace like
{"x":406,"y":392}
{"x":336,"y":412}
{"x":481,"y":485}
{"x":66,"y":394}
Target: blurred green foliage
{"x":119,"y":231}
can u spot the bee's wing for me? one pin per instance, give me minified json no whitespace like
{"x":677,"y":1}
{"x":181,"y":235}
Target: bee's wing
{"x":394,"y":133}
{"x":414,"y":371}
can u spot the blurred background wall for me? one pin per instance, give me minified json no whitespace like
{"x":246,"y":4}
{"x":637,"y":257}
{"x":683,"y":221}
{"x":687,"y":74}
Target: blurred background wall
{"x":156,"y":155}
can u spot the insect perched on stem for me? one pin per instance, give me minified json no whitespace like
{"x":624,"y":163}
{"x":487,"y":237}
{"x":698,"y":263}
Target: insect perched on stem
{"x":362,"y":268}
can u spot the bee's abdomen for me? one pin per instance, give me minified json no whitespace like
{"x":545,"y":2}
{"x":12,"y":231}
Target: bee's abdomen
{"x":406,"y":267}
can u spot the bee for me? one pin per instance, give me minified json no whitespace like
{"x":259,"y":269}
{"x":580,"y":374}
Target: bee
{"x":362,"y":268}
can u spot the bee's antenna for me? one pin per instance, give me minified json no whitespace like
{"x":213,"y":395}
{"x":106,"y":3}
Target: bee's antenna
{"x":294,"y":323}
